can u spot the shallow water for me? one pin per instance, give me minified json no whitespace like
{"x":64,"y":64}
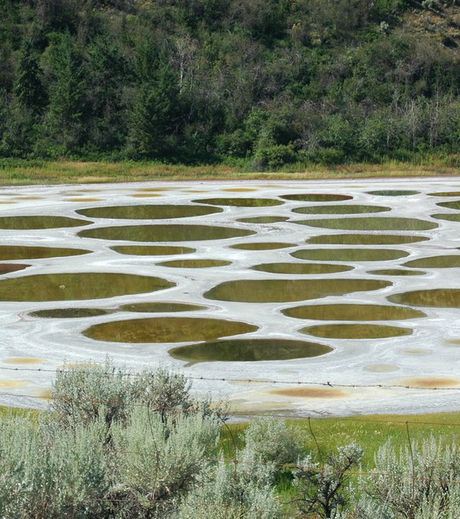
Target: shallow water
{"x":450,"y":217}
{"x":438,"y":298}
{"x":194,"y":263}
{"x":277,"y":290}
{"x":240,"y":202}
{"x":451,"y":205}
{"x":353,"y":312}
{"x":316,"y":197}
{"x":69,"y":313}
{"x":7,"y":268}
{"x":167,"y":329}
{"x":39,"y":222}
{"x":356,"y":331}
{"x":435,"y":262}
{"x":160,"y":307}
{"x":365,"y":239}
{"x":151,"y":250}
{"x":373,"y":223}
{"x":249,"y":350}
{"x":148,"y":212}
{"x":341,"y":209}
{"x":301,"y":268}
{"x":349,"y":254}
{"x":393,"y":192}
{"x":262,"y":246}
{"x":77,"y":286}
{"x":397,"y":272}
{"x":164,"y":233}
{"x":18,"y":252}
{"x":264,"y":219}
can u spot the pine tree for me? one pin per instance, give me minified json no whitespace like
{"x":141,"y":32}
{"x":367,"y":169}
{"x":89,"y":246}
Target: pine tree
{"x":28,"y":87}
{"x":66,"y":95}
{"x":154,"y":115}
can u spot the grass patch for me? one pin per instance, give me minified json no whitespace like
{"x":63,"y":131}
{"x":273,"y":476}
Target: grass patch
{"x":25,"y":172}
{"x":369,"y":431}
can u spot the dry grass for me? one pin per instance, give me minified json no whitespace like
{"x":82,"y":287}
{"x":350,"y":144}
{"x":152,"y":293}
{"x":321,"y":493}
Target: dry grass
{"x":22,"y":172}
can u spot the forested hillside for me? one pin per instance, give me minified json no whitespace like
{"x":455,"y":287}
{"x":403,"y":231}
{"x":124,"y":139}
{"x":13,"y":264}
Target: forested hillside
{"x":261,"y":82}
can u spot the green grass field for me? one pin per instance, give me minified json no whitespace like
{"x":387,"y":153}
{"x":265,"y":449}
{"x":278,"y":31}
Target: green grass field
{"x":27,"y":172}
{"x":369,"y":431}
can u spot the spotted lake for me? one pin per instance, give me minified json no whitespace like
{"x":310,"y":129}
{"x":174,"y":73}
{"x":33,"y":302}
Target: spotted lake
{"x":264,"y":293}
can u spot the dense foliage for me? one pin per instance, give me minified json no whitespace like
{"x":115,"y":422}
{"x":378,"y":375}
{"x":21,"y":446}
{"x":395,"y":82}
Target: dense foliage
{"x":262,"y":82}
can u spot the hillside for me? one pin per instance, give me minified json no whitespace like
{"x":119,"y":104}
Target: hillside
{"x":258,"y":82}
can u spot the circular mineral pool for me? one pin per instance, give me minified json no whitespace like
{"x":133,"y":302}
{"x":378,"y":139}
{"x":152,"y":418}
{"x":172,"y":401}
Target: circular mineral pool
{"x":167,"y":330}
{"x":148,"y":212}
{"x":40,"y":222}
{"x":241,"y":202}
{"x":356,"y":331}
{"x":436,"y":298}
{"x":285,"y":290}
{"x":249,"y":350}
{"x":372,"y":223}
{"x":316,"y":197}
{"x":350,"y":254}
{"x":301,"y":268}
{"x":341,"y":209}
{"x":77,"y":286}
{"x":164,"y":233}
{"x":352,"y":312}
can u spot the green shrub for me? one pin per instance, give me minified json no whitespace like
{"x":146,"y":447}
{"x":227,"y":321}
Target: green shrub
{"x":271,"y":440}
{"x":418,"y":481}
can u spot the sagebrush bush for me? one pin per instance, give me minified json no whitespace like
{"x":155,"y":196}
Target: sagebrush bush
{"x":51,"y":472}
{"x":413,"y":483}
{"x":271,"y":440}
{"x":243,"y":488}
{"x":124,"y":446}
{"x":158,"y":461}
{"x":84,"y":394}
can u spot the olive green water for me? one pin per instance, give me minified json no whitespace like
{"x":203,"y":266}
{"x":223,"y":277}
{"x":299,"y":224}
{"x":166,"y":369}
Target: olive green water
{"x":285,"y":290}
{"x":77,"y":286}
{"x":393,"y":192}
{"x":316,"y":197}
{"x":148,"y":212}
{"x":436,"y":262}
{"x":446,"y":193}
{"x":160,"y":307}
{"x":164,"y":233}
{"x":240,"y":202}
{"x":450,"y":217}
{"x":349,"y":254}
{"x":264,"y":219}
{"x":70,"y":313}
{"x":352,"y":312}
{"x":372,"y":223}
{"x":356,"y":331}
{"x":341,"y":209}
{"x":397,"y":272}
{"x":194,"y":263}
{"x":436,"y":298}
{"x":18,"y":252}
{"x":167,"y":329}
{"x":39,"y":222}
{"x":365,"y":239}
{"x":151,"y":250}
{"x":301,"y":268}
{"x":262,"y":246}
{"x":249,"y":350}
{"x":451,"y":205}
